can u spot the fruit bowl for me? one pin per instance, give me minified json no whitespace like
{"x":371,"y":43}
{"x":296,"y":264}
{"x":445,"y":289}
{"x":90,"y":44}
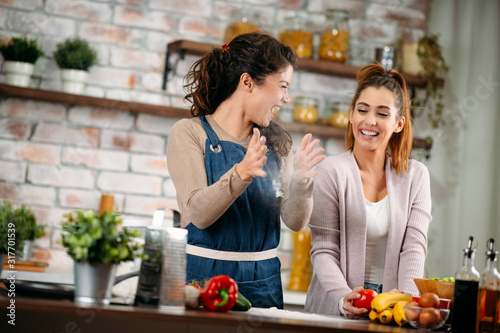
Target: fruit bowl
{"x":441,"y":288}
{"x":426,"y":318}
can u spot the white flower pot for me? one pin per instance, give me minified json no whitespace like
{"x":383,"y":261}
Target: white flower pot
{"x":18,"y":73}
{"x":73,"y":81}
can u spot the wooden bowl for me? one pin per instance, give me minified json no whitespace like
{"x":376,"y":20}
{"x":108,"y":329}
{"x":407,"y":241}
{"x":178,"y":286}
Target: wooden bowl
{"x":441,"y":288}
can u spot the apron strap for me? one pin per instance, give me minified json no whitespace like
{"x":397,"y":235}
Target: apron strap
{"x":214,"y":140}
{"x":230,"y":256}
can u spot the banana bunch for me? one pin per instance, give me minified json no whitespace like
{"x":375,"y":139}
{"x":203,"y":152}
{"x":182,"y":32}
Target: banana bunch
{"x":389,"y":307}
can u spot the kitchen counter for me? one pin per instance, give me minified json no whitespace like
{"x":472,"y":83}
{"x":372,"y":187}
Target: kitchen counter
{"x":44,"y":315}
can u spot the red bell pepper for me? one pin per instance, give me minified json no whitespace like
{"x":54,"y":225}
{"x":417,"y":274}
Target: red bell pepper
{"x":220,"y":293}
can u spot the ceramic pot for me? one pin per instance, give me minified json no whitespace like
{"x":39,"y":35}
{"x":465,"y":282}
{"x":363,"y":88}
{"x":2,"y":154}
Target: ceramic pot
{"x":73,"y":81}
{"x":18,"y":73}
{"x":93,"y":282}
{"x":411,"y":61}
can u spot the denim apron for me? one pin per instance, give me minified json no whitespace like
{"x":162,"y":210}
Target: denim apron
{"x":250,"y":224}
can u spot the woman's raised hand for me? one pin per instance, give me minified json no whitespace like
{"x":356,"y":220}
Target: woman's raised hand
{"x":306,"y":158}
{"x":255,"y":158}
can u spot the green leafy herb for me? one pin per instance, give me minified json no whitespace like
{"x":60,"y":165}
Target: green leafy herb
{"x":75,"y":54}
{"x":94,"y":238}
{"x":21,"y":49}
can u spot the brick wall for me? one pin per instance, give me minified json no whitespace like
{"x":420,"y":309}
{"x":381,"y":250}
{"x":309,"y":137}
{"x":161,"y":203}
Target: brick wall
{"x":56,"y":158}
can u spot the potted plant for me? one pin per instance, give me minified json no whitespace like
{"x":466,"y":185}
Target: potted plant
{"x":425,"y":60}
{"x":97,"y":245}
{"x":20,"y":55}
{"x":29,"y":230}
{"x":74,"y":57}
{"x":13,"y":231}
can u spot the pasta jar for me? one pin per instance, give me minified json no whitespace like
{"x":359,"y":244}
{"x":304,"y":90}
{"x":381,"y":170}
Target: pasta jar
{"x":305,"y":110}
{"x":297,"y":33}
{"x":243,"y":20}
{"x":334,"y":42}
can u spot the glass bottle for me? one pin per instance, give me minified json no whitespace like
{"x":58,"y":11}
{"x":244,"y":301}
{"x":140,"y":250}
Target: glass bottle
{"x":488,"y":302}
{"x":334,"y":43}
{"x":463,"y":318}
{"x":243,"y":20}
{"x":297,"y":33}
{"x":305,"y":110}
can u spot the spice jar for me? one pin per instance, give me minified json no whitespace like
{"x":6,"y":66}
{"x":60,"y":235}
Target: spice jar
{"x":297,"y":33}
{"x":305,"y":110}
{"x":339,"y":114}
{"x":243,"y":20}
{"x":334,"y":42}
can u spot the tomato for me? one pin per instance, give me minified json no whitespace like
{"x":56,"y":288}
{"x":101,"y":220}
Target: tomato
{"x":365,"y":301}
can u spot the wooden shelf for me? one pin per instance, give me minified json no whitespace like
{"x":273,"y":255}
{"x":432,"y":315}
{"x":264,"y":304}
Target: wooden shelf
{"x":64,"y":98}
{"x":309,"y":65}
{"x":165,"y":111}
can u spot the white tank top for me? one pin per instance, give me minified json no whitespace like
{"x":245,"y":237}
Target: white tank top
{"x":377,"y":230}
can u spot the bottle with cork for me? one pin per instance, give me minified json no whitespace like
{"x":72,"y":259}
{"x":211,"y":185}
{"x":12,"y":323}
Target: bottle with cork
{"x":488,"y":302}
{"x":107,"y":203}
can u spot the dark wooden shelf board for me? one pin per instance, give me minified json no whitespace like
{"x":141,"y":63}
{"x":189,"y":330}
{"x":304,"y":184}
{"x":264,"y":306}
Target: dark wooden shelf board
{"x":165,"y":111}
{"x":309,"y":65}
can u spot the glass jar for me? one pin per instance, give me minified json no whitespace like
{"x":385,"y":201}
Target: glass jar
{"x":297,"y":33}
{"x":339,"y":114}
{"x":243,"y":20}
{"x":334,"y":42}
{"x":305,"y":110}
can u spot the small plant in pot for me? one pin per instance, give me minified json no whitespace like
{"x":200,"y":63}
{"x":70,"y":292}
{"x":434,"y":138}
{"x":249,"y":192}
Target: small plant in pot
{"x":20,"y":56}
{"x":16,"y":226}
{"x":97,"y":245}
{"x":29,"y":230}
{"x":74,"y":57}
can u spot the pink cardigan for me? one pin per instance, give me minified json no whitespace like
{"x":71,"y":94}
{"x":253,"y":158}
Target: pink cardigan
{"x":338,"y":227}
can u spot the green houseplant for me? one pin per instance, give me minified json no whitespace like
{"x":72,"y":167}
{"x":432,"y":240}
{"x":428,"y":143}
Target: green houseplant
{"x":20,"y":55}
{"x":17,"y":227}
{"x":74,"y":56}
{"x":425,"y":59}
{"x":29,"y":230}
{"x":96,"y":245}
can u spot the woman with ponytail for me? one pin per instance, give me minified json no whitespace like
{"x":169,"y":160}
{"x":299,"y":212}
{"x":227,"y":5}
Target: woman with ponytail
{"x":233,"y":169}
{"x":372,"y":204}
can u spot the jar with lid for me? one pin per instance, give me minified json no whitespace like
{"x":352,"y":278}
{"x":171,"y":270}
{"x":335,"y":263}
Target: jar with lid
{"x":338,"y":114}
{"x":297,"y":33}
{"x":334,"y":42}
{"x":305,"y":110}
{"x":243,"y":20}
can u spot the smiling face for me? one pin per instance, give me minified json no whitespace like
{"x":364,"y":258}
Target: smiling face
{"x":374,"y":119}
{"x":273,"y":93}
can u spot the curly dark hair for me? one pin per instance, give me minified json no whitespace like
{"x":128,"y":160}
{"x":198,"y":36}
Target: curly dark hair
{"x":215,"y":77}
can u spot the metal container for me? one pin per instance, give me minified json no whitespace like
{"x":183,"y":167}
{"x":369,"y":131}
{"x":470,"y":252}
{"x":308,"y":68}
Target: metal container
{"x":25,"y":253}
{"x":93,"y":282}
{"x":173,"y":274}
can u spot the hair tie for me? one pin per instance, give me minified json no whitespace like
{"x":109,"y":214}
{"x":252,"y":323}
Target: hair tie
{"x":225,"y":48}
{"x":387,"y":75}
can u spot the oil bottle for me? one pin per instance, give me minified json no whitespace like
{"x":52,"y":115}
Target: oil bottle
{"x":464,"y":309}
{"x":488,"y":302}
